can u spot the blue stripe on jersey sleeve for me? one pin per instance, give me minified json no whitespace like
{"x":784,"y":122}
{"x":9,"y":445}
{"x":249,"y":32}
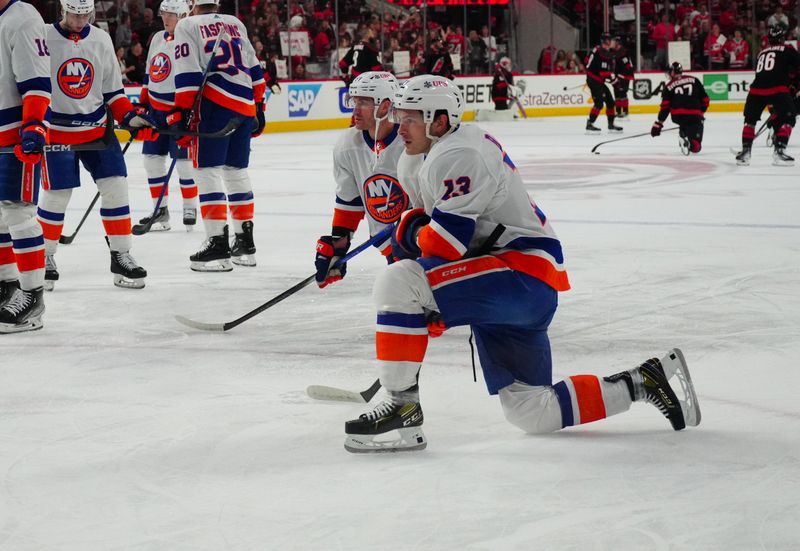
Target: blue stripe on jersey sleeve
{"x":10,"y":115}
{"x":188,"y":80}
{"x":256,"y":73}
{"x":146,"y":80}
{"x":357,"y":202}
{"x":37,"y":84}
{"x":413,"y":321}
{"x":547,"y":244}
{"x":460,"y":227}
{"x":108,"y":96}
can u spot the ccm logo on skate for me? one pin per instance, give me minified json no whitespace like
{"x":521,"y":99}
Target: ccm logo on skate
{"x":413,"y":419}
{"x":160,"y":68}
{"x":75,"y":77}
{"x":385,"y":198}
{"x":302,"y":98}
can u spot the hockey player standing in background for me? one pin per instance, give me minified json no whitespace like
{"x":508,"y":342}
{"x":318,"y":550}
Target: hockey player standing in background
{"x":365,"y":169}
{"x":361,"y":57}
{"x":502,"y":81}
{"x":24,"y":99}
{"x":600,"y":69}
{"x":234,"y":90}
{"x":158,"y":93}
{"x":624,"y":71}
{"x":438,"y":60}
{"x":774,"y":66}
{"x":472,"y":193}
{"x":86,"y":78}
{"x":685,"y":97}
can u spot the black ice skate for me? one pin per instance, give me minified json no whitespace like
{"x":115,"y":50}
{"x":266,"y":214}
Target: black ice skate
{"x":614,"y":129}
{"x":160,"y":223}
{"x":394,"y":425}
{"x":780,"y":158}
{"x":743,"y":157}
{"x":127,"y":273}
{"x":650,"y":383}
{"x":23,"y":312}
{"x":214,"y":255}
{"x":189,"y":217}
{"x":243,"y":250}
{"x":591,"y":128}
{"x":7,"y":289}
{"x":50,"y":272}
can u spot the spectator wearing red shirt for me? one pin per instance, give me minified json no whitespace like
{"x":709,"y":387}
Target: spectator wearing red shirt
{"x":738,"y":51}
{"x":456,"y":42}
{"x":684,"y":9}
{"x":701,"y":16}
{"x":727,"y":19}
{"x":715,"y":48}
{"x":663,"y":33}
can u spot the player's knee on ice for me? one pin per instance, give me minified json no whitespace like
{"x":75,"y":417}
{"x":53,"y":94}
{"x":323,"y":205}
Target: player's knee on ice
{"x":533,"y":409}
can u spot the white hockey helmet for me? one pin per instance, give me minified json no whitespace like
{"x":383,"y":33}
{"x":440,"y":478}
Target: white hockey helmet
{"x":429,"y":94}
{"x":78,"y":7}
{"x":378,"y":85}
{"x":505,"y":63}
{"x":178,"y":7}
{"x":194,"y":3}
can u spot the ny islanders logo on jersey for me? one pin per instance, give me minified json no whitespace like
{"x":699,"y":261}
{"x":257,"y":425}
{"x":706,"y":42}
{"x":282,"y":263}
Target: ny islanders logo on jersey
{"x":160,"y":67}
{"x":75,"y":77}
{"x":385,"y":199}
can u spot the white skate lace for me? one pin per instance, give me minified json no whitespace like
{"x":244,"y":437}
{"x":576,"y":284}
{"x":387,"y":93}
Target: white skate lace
{"x":126,"y":261}
{"x":381,"y":410}
{"x":19,"y":302}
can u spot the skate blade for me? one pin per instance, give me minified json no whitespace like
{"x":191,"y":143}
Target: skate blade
{"x":780,"y":162}
{"x":31,"y":324}
{"x":222,"y":265}
{"x":128,"y":283}
{"x":674,"y":364}
{"x":592,"y":132}
{"x":614,"y":131}
{"x":244,"y":260}
{"x":189,"y":227}
{"x":406,"y":440}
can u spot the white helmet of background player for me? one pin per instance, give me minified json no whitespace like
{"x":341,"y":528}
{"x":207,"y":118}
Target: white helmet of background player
{"x":78,"y":7}
{"x":178,"y":7}
{"x":505,"y":63}
{"x":429,"y":94}
{"x":194,"y":3}
{"x":378,"y":85}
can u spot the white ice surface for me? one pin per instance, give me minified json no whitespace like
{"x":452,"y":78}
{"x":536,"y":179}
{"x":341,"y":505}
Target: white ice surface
{"x":121,"y":429}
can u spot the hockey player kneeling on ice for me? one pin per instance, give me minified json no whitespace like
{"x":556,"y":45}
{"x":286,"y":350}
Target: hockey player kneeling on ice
{"x":233,"y":90}
{"x":685,"y":97}
{"x":469,"y":186}
{"x":85,"y":79}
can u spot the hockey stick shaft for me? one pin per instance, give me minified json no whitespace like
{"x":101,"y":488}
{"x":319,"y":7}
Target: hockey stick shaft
{"x":594,"y":149}
{"x":67,"y":239}
{"x":143,"y":229}
{"x":377,"y":238}
{"x":762,"y":129}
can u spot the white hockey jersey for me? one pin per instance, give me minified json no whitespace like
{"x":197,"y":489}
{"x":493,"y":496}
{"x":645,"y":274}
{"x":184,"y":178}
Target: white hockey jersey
{"x":366,"y":186}
{"x":24,"y":70}
{"x":158,"y":89}
{"x":86,"y":76}
{"x":469,"y":185}
{"x":235,"y":81}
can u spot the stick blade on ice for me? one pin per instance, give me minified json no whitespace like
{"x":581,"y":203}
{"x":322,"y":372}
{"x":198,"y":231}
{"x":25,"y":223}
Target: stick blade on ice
{"x":218,"y":327}
{"x":331,"y":394}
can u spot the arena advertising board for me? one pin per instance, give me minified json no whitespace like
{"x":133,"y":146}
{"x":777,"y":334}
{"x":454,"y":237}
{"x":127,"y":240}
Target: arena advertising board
{"x":317,"y":105}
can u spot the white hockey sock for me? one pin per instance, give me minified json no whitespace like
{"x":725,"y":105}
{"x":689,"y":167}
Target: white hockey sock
{"x":156,"y":169}
{"x":52,"y":206}
{"x":188,"y":185}
{"x":27,"y":242}
{"x":240,"y":196}
{"x":115,"y":212}
{"x":213,"y":203}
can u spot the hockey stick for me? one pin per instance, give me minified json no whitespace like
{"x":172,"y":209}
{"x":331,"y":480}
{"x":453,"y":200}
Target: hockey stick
{"x":67,"y":239}
{"x":96,"y":145}
{"x":333,"y":394}
{"x":141,"y":229}
{"x":229,"y":128}
{"x":521,"y":108}
{"x":594,"y":149}
{"x":219,"y":327}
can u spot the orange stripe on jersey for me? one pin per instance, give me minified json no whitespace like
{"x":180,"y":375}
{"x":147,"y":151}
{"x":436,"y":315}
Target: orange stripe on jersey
{"x":27,"y":262}
{"x":242,"y":212}
{"x":393,"y":347}
{"x":7,"y":255}
{"x":589,"y":397}
{"x":214,"y":212}
{"x":242,"y":107}
{"x":120,"y":107}
{"x":34,"y":108}
{"x":117,"y":227}
{"x":537,"y":267}
{"x":144,"y":96}
{"x":81,"y":136}
{"x":349,"y":219}
{"x":433,"y":244}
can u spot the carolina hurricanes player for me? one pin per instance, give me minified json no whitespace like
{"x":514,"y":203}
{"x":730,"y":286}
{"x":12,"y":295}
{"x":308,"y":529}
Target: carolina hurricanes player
{"x":472,"y":193}
{"x":234,"y":90}
{"x":86,"y":79}
{"x":158,"y":93}
{"x":365,"y":169}
{"x":24,"y":98}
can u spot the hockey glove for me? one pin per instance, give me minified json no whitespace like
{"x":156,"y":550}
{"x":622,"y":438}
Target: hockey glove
{"x":655,"y":131}
{"x":404,"y":237}
{"x":139,"y":119}
{"x":34,"y":138}
{"x":435,"y":323}
{"x":258,"y":122}
{"x":177,"y":119}
{"x":330,"y":248}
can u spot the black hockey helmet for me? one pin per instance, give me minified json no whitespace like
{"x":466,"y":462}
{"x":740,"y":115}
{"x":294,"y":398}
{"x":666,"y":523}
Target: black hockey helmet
{"x":777,"y":34}
{"x":606,"y":38}
{"x":675,"y":69}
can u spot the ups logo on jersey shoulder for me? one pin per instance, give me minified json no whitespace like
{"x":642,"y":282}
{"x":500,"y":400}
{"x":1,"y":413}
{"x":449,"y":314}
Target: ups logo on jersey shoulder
{"x":384,"y":198}
{"x":160,"y":67}
{"x":75,"y":77}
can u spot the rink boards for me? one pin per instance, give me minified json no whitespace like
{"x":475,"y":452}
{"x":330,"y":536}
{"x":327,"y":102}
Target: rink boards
{"x":320,"y":105}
